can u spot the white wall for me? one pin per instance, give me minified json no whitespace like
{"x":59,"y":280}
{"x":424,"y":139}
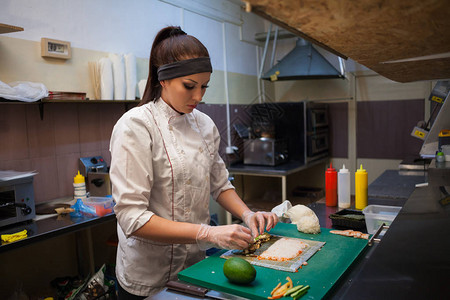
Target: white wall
{"x":120,"y":26}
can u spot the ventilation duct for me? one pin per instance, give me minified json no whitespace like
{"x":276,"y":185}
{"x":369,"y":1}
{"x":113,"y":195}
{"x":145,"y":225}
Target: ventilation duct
{"x":303,"y":62}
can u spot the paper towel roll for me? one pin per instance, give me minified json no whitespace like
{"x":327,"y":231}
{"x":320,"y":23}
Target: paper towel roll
{"x":106,"y":79}
{"x":130,"y":76}
{"x":141,"y":86}
{"x":118,"y":66}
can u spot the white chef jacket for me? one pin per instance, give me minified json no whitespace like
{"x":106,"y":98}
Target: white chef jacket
{"x":163,"y":163}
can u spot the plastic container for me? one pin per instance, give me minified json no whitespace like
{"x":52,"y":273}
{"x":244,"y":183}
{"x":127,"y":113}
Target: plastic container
{"x":348,"y":219}
{"x":376,"y":215}
{"x":79,"y":186}
{"x":344,"y":188}
{"x":102,"y":205}
{"x":361,"y":188}
{"x":331,"y":186}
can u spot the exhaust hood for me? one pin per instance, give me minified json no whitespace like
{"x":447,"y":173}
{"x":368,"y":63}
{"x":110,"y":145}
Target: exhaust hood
{"x":303,"y":62}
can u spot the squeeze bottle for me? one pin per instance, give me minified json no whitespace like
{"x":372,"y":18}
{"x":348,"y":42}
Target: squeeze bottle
{"x":360,"y":188}
{"x":331,"y":186}
{"x":79,"y":186}
{"x":344,"y":188}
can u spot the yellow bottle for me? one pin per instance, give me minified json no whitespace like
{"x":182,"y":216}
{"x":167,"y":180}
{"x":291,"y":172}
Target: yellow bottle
{"x":79,"y":186}
{"x":360,"y":188}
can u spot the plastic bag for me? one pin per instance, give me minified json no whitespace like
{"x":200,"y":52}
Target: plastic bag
{"x":23,"y":91}
{"x":280,"y":209}
{"x":80,"y":209}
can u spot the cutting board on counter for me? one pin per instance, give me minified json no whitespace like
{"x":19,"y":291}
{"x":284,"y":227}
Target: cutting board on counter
{"x":323,"y":270}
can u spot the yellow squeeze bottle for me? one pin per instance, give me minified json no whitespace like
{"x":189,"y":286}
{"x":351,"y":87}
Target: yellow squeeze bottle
{"x":361,"y":188}
{"x":79,"y":186}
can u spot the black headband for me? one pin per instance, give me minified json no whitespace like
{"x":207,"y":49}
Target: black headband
{"x":184,"y":68}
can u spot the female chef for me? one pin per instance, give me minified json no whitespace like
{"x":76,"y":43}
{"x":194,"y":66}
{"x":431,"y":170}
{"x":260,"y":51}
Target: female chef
{"x":165,"y":165}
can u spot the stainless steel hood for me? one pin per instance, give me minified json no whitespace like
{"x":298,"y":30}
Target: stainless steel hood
{"x":303,"y":62}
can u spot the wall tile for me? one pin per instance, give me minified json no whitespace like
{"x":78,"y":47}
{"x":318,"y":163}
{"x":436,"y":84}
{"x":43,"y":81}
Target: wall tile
{"x":90,"y":120}
{"x":110,"y":114}
{"x":338,"y":126}
{"x":16,"y":165}
{"x":41,"y":137}
{"x":67,"y":166}
{"x":66,"y":127}
{"x":13,"y":132}
{"x":384,"y":128}
{"x":45,"y":183}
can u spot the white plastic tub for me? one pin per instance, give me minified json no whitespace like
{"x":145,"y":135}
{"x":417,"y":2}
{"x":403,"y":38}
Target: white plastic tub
{"x":376,"y":215}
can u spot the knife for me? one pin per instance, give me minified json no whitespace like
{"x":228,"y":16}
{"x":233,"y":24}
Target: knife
{"x":200,"y":291}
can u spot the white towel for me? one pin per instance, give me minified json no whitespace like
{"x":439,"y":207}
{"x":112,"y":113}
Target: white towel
{"x":106,"y":79}
{"x":141,"y":86}
{"x":130,"y":76}
{"x":118,"y":66}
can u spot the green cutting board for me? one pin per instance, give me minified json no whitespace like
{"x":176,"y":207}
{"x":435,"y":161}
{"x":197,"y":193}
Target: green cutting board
{"x":322,"y":272}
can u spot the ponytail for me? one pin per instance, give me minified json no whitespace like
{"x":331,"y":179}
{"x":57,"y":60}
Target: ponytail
{"x":171,"y":44}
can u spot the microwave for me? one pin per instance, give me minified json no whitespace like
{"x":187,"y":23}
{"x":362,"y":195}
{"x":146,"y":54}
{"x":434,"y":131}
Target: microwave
{"x":16,"y":201}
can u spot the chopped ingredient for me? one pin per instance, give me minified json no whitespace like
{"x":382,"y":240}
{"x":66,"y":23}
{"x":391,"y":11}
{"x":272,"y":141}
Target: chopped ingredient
{"x":280,"y":290}
{"x":300,"y":292}
{"x":275,"y":288}
{"x":293,"y":290}
{"x":351,"y":233}
{"x":262,"y":238}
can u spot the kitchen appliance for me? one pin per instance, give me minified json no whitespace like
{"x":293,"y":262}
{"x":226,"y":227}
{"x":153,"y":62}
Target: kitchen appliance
{"x":16,"y":201}
{"x":96,"y":172}
{"x":92,"y":164}
{"x":317,"y":130}
{"x":304,"y":126}
{"x":265,"y":151}
{"x":98,"y":184}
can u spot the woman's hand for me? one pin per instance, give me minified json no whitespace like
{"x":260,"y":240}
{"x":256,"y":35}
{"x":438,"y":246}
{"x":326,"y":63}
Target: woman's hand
{"x":225,"y":237}
{"x":259,"y":221}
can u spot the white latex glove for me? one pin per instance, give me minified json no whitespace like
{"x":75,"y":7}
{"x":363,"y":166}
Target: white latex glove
{"x":225,"y":237}
{"x":259,"y":221}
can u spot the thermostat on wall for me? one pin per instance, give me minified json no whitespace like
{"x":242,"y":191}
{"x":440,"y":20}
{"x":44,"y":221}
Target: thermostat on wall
{"x":55,"y":48}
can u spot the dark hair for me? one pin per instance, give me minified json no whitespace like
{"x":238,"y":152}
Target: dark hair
{"x":171,"y":44}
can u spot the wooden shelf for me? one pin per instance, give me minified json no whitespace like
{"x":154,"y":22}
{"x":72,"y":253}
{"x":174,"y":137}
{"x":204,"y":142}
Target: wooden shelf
{"x":47,"y":101}
{"x":4,"y":101}
{"x":125,"y":102}
{"x":5,"y":28}
{"x":87,"y":101}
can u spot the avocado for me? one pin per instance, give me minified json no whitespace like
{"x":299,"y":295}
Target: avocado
{"x":239,"y":271}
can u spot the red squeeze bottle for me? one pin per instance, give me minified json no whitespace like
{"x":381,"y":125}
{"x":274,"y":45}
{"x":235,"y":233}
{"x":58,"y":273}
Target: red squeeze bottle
{"x":331,"y":186}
